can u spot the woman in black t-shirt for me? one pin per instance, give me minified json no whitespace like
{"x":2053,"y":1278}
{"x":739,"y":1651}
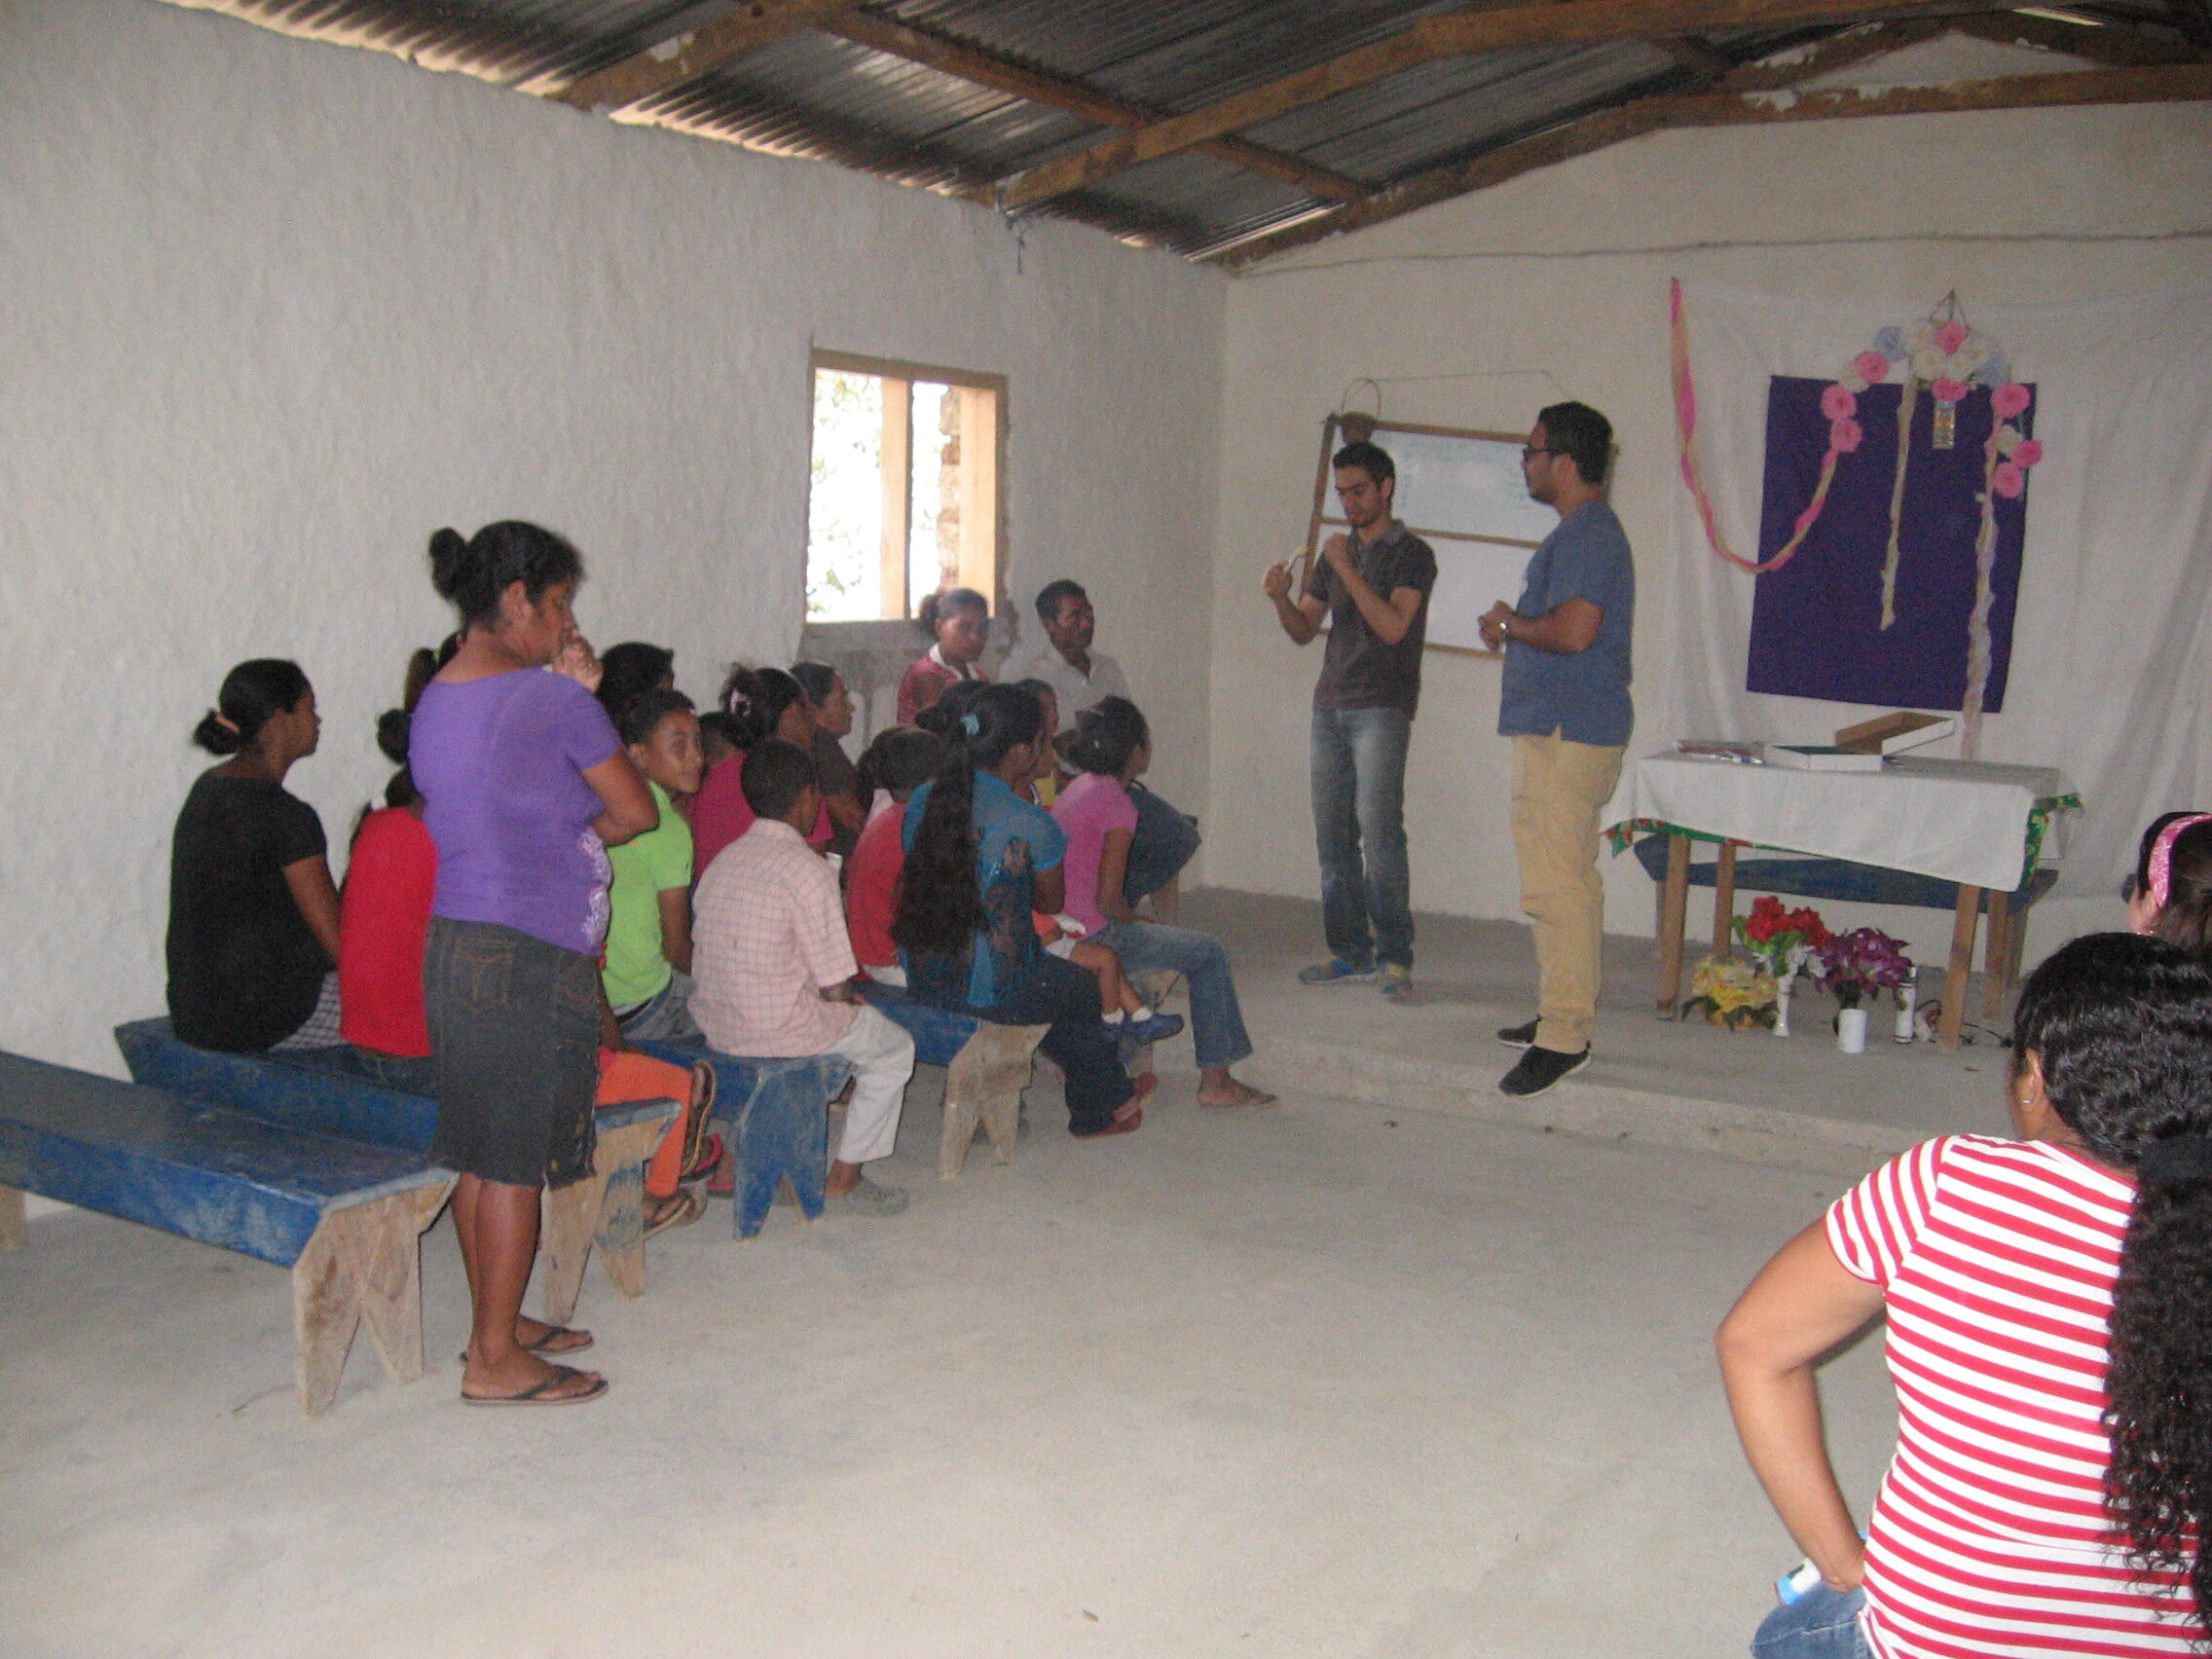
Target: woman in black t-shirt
{"x":253,"y":914}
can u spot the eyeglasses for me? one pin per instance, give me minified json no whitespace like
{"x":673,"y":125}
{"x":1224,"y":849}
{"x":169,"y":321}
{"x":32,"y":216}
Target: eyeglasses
{"x":1529,"y":452}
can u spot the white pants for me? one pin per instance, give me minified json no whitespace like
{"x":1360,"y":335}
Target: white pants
{"x":883,"y":1059}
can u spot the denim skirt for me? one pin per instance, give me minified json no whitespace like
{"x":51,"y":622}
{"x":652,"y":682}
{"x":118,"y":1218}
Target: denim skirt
{"x":514,"y":1045}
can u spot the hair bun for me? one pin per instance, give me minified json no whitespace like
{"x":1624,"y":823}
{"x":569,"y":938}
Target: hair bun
{"x":217,"y":735}
{"x":449,"y":555}
{"x":394,"y":726}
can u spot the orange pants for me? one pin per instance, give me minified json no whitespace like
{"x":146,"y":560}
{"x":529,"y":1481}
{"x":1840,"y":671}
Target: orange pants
{"x":624,"y":1076}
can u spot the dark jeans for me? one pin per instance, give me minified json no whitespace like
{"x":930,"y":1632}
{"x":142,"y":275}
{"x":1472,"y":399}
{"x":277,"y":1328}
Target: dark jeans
{"x":1164,"y":842}
{"x":409,"y":1073}
{"x":1359,"y":799}
{"x":1064,"y":997}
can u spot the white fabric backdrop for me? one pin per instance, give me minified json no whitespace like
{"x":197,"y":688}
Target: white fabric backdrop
{"x":2111,"y":646}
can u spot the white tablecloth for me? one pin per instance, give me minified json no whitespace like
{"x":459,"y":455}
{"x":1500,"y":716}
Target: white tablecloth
{"x":1956,"y":820}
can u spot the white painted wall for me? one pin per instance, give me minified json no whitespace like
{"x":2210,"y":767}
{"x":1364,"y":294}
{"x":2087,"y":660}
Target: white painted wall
{"x":275,"y":310}
{"x":1478,"y":312}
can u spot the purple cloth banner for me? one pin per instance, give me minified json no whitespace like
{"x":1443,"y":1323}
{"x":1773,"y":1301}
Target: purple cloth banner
{"x":1817,"y":622}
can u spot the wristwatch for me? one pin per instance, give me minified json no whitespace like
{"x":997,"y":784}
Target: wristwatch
{"x":1505,"y":629}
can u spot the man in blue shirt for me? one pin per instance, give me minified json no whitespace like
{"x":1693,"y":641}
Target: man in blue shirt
{"x":1565,"y":704}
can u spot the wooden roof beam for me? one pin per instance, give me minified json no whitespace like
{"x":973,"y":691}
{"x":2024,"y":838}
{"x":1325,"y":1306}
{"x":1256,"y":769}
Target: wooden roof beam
{"x":2163,"y":83}
{"x":1697,"y":56}
{"x":972,"y":63}
{"x":1526,"y":23}
{"x":664,"y":67}
{"x":2113,"y":44}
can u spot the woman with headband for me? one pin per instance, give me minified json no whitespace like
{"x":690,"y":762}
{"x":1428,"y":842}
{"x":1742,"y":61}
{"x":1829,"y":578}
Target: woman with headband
{"x":2049,"y":1335}
{"x":2170,"y":894}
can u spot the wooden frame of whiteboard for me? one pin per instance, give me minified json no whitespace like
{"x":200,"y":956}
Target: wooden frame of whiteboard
{"x":1331,"y":429}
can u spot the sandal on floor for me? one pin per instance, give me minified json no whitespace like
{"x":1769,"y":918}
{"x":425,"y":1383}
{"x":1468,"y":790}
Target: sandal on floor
{"x":536,"y":1394}
{"x":680,"y":1209}
{"x":1118,"y":1126}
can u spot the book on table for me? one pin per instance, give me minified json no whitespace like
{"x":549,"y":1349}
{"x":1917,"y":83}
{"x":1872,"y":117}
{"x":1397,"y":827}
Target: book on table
{"x":1820,"y":757}
{"x":1893,"y":734}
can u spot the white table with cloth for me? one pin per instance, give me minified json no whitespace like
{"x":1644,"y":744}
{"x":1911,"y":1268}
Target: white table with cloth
{"x":1973,"y":822}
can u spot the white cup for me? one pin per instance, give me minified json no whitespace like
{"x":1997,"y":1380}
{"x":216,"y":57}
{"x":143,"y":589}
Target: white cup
{"x":1851,"y":1031}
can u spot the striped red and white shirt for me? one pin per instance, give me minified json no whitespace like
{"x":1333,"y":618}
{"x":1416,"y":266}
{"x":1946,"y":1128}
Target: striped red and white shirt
{"x":1990,"y":1535}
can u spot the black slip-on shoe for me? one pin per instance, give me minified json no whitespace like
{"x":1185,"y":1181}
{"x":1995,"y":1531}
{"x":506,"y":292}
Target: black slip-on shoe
{"x":1519,"y":1036}
{"x":1538,"y":1069}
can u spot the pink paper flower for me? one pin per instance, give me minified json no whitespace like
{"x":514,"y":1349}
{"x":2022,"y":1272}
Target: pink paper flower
{"x":2009,"y":400}
{"x":1951,"y":336}
{"x":2027,"y":452}
{"x":1844,"y":435}
{"x":1872,"y":367}
{"x":2008,"y":479}
{"x":1949,"y":390}
{"x":1836,"y":402}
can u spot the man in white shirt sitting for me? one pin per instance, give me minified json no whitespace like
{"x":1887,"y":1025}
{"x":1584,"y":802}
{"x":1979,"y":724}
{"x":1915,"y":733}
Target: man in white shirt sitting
{"x":1081,"y":679}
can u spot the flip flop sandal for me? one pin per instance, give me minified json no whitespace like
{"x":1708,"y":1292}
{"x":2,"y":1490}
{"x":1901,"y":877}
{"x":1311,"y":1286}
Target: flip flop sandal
{"x":702,"y":1167}
{"x":704,"y":1083}
{"x":546,"y":1348}
{"x":537,"y":1396}
{"x":681,"y":1210}
{"x":1125,"y":1127}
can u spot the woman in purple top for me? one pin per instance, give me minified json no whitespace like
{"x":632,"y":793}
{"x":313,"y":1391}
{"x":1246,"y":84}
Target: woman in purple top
{"x":525,"y":785}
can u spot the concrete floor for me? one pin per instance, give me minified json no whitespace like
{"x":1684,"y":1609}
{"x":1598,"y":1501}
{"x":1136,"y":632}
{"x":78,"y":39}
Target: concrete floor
{"x":1337,"y":1377}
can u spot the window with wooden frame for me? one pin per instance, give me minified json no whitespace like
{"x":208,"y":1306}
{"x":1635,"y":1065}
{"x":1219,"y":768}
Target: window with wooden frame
{"x":903,"y":496}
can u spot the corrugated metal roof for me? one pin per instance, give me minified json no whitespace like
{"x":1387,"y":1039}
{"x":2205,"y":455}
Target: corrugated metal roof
{"x":814,"y":93}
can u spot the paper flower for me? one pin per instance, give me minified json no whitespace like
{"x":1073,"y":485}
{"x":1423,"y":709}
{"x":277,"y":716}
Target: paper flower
{"x":2008,"y":479}
{"x":2010,"y":399}
{"x":1844,"y":436}
{"x":1872,"y":367}
{"x":1951,"y":336}
{"x":1890,"y":343}
{"x":1858,"y":964}
{"x":1852,"y":383}
{"x":1948,"y":391}
{"x":1836,"y":402}
{"x":2008,"y":439}
{"x":2027,"y":452}
{"x":1928,"y":363}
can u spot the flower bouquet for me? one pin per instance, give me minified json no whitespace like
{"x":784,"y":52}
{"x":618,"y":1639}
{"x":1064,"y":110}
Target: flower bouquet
{"x":1781,"y":938}
{"x":1858,"y":964}
{"x":1731,"y":992}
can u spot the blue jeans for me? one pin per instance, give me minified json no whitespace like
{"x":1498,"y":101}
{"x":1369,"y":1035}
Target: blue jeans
{"x":1164,"y":843}
{"x":1820,"y":1624}
{"x":1064,"y":997}
{"x":1217,"y":1023}
{"x":1359,"y":800}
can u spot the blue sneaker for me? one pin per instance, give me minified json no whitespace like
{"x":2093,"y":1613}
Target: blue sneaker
{"x":1338,"y":971}
{"x":1152,"y":1028}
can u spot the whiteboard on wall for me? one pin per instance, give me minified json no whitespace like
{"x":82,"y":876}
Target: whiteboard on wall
{"x":1463,"y":492}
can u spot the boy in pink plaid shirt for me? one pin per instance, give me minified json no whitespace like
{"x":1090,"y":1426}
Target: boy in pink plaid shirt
{"x":774,"y":968}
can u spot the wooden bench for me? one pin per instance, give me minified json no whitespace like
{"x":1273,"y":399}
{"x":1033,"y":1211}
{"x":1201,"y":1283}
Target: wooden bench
{"x":345,"y":1216}
{"x":1668,"y":861}
{"x":986,"y":1067}
{"x":779,"y":1112}
{"x":326,"y":1092}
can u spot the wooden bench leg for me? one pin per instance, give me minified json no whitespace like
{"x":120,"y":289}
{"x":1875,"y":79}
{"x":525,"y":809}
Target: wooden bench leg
{"x":1673,"y":905}
{"x":364,"y":1261}
{"x":983,"y":1086}
{"x":11,"y":1219}
{"x":1960,"y":969}
{"x":607,"y":1207}
{"x":1724,"y":899}
{"x":1996,"y":954}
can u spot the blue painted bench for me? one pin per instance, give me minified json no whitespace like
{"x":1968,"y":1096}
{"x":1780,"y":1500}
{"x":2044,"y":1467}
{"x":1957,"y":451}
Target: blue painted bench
{"x":986,"y":1067}
{"x":344,"y":1215}
{"x":1842,"y":881}
{"x":780,"y":1114}
{"x":326,"y":1091}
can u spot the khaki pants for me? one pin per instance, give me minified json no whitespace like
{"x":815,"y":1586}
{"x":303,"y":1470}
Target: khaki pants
{"x":1559,"y":790}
